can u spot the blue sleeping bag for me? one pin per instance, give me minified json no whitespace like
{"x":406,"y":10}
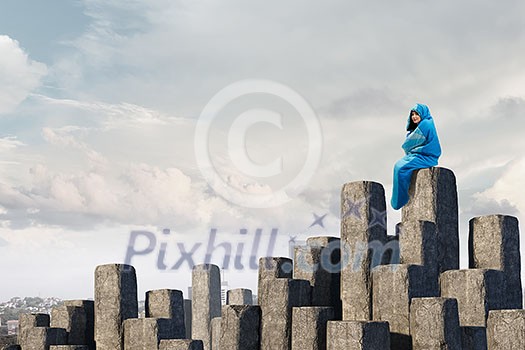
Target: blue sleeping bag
{"x":422,"y":150}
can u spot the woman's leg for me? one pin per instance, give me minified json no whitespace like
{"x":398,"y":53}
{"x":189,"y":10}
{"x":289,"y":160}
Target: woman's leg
{"x":403,"y":170}
{"x":401,"y":182}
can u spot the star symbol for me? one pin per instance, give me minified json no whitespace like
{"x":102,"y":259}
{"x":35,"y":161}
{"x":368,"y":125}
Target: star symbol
{"x":318,"y":220}
{"x":292,"y":239}
{"x":353,"y":208}
{"x":378,"y":218}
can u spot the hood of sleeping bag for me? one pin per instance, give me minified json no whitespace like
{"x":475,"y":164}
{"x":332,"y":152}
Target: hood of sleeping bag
{"x":423,"y":112}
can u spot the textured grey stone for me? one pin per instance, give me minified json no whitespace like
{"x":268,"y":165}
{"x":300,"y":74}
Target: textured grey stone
{"x":274,"y":267}
{"x":363,"y":222}
{"x":215,"y":326}
{"x":11,"y":347}
{"x":418,"y":244}
{"x":434,"y":324}
{"x":181,"y":344}
{"x":115,"y":301}
{"x":40,"y":338}
{"x":146,"y":333}
{"x":239,"y":296}
{"x":167,"y":303}
{"x":206,"y":301}
{"x":187,"y":317}
{"x":89,"y":310}
{"x":476,"y":290}
{"x":358,"y":335}
{"x":320,"y":263}
{"x":73,"y":319}
{"x":276,"y":298}
{"x":29,"y":321}
{"x":240,"y":326}
{"x":68,"y":347}
{"x":433,"y":197}
{"x":473,"y":338}
{"x":309,"y":327}
{"x":506,"y":330}
{"x":494,"y":243}
{"x":394,"y":286}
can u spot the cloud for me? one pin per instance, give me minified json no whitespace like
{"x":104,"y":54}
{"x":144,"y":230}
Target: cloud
{"x":17,"y":72}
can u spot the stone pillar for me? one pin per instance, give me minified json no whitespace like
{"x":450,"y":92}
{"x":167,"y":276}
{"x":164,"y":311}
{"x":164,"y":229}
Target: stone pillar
{"x":418,"y":245}
{"x":274,"y":267}
{"x":240,"y":327}
{"x":146,"y":333}
{"x":167,"y":303}
{"x":357,"y":335}
{"x":494,"y":243}
{"x":320,"y":263}
{"x":12,"y":347}
{"x":30,"y":321}
{"x":41,"y":338}
{"x":394,"y":286}
{"x":68,"y":347}
{"x":433,"y":197}
{"x":476,"y":290}
{"x":115,"y":301}
{"x":363,"y":222}
{"x":215,"y":326}
{"x":181,"y":344}
{"x":187,"y":317}
{"x":473,"y":338}
{"x":309,"y":327}
{"x":89,"y":310}
{"x":276,"y":299}
{"x":73,"y":319}
{"x":506,"y":330}
{"x":239,"y":296}
{"x":206,"y":301}
{"x":434,"y":324}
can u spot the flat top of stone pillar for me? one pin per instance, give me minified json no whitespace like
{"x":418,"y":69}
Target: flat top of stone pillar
{"x":116,"y":266}
{"x":321,"y":241}
{"x":205,"y":267}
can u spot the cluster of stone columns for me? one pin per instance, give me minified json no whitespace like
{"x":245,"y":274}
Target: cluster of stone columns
{"x":362,"y":290}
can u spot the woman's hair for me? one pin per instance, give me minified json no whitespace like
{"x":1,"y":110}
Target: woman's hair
{"x":412,"y":125}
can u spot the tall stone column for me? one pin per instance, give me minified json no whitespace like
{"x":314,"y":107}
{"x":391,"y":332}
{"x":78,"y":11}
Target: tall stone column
{"x":494,"y":243}
{"x":73,"y":319}
{"x":239,"y":296}
{"x":240,"y":326}
{"x":115,"y":301}
{"x":320,"y":263}
{"x":433,"y":197}
{"x":277,"y":295}
{"x":418,"y":243}
{"x":434,"y":324}
{"x":89,"y":310}
{"x":27,"y":322}
{"x":206,"y":301}
{"x":394,"y":287}
{"x":309,"y":327}
{"x":363,"y":226}
{"x":167,"y":303}
{"x":181,"y":344}
{"x":476,"y":290}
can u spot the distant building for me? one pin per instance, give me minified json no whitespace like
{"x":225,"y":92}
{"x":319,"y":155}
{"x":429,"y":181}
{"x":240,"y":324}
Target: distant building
{"x":12,"y":327}
{"x":224,"y":292}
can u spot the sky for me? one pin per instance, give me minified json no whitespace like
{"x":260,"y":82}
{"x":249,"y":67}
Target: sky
{"x":152,"y":132}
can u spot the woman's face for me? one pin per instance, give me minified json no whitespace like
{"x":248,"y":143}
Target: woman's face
{"x":415,"y":117}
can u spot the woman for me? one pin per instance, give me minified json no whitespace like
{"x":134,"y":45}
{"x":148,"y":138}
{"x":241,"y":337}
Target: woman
{"x":422,"y":150}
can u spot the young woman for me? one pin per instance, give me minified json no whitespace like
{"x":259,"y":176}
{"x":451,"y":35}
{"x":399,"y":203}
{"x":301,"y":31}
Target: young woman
{"x":422,"y":150}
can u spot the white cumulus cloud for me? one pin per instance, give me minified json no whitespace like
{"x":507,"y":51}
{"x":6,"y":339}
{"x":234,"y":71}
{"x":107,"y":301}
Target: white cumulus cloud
{"x":17,"y":72}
